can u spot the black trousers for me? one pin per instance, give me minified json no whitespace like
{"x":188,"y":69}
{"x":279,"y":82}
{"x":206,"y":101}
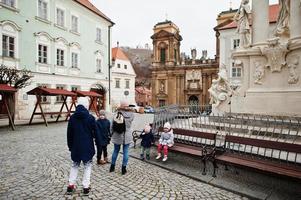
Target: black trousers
{"x":102,"y":150}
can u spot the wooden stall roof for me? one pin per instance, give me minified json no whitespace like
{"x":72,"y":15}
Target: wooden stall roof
{"x":87,"y":94}
{"x":7,"y":88}
{"x":50,"y":92}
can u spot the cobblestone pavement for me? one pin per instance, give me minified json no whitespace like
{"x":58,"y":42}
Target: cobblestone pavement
{"x":35,"y":163}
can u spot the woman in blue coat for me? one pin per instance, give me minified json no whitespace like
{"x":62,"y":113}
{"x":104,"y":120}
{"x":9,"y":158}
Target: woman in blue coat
{"x":80,"y":139}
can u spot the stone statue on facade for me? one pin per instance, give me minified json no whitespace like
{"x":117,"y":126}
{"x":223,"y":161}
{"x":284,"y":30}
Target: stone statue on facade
{"x":220,"y":88}
{"x":282,"y":27}
{"x":242,"y":17}
{"x":259,"y":72}
{"x":162,"y":86}
{"x":275,"y":53}
{"x":293,"y":76}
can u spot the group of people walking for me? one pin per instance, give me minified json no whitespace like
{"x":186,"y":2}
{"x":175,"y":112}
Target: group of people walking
{"x":84,"y":131}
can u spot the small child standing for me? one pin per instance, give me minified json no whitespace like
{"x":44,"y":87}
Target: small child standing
{"x":147,"y":140}
{"x":166,"y":141}
{"x":103,"y":137}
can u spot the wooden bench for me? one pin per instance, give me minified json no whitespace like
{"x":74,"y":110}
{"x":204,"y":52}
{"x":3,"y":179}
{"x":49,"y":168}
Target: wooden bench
{"x":195,"y":143}
{"x":266,"y":156}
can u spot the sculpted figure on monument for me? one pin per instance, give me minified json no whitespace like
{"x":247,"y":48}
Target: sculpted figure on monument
{"x":162,"y":86}
{"x":275,"y":53}
{"x":282,"y":26}
{"x":293,"y":77}
{"x":220,"y":88}
{"x":259,"y":72}
{"x":242,"y":17}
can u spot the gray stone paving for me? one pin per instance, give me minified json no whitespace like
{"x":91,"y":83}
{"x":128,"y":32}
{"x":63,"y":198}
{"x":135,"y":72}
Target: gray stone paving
{"x":35,"y":163}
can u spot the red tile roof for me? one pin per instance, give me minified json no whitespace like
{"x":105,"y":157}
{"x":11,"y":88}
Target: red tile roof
{"x":87,"y":94}
{"x":117,"y":53}
{"x":87,"y":4}
{"x":50,"y":92}
{"x":7,"y":88}
{"x":273,"y":15}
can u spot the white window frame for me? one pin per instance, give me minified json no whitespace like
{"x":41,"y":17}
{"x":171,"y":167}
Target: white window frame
{"x":9,"y":37}
{"x":98,"y":65}
{"x":6,"y":1}
{"x":98,"y":37}
{"x":233,"y":41}
{"x":127,"y":83}
{"x":47,"y":56}
{"x":98,"y":55}
{"x":75,"y":48}
{"x":125,"y":66}
{"x":74,"y":64}
{"x":60,"y":60}
{"x":71,"y":23}
{"x":44,"y":99}
{"x":62,"y":44}
{"x":48,"y":10}
{"x":236,"y":69}
{"x":56,"y":16}
{"x":59,"y":99}
{"x":77,"y":87}
{"x":119,"y":85}
{"x":10,"y":29}
{"x":118,"y":65}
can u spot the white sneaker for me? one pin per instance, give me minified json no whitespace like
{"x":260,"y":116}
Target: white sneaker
{"x":164,"y":159}
{"x":158,"y":157}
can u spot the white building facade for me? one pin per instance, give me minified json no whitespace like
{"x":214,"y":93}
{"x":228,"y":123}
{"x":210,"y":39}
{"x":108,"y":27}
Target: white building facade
{"x":123,"y":78}
{"x":65,"y":44}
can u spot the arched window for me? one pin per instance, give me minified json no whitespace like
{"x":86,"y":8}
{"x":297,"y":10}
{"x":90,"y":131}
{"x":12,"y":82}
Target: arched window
{"x":162,"y":55}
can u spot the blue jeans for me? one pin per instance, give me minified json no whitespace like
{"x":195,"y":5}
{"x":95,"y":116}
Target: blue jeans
{"x":125,"y":154}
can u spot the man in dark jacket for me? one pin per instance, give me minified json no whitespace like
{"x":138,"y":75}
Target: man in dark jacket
{"x":80,"y":139}
{"x":103,"y":137}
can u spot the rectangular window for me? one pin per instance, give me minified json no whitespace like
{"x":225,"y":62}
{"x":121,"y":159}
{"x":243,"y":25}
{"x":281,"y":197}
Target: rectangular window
{"x":98,"y":65}
{"x":74,"y":60}
{"x":162,"y":55}
{"x":118,"y":65}
{"x":127,"y":84}
{"x":60,"y":17}
{"x":10,"y":3}
{"x":74,"y":88}
{"x":43,"y":9}
{"x":98,"y":35}
{"x":60,"y":57}
{"x":236,"y":43}
{"x":117,"y":83}
{"x":42,"y":54}
{"x":59,"y":98}
{"x":236,"y":72}
{"x":125,"y":66}
{"x":74,"y":24}
{"x":8,"y":46}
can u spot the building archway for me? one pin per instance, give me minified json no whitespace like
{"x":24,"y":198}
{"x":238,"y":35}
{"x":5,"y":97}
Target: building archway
{"x":100,"y":89}
{"x":193,"y":100}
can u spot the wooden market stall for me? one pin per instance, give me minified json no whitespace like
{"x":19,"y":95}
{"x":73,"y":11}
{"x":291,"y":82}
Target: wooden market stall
{"x":43,"y":91}
{"x":93,"y":99}
{"x":6,"y":93}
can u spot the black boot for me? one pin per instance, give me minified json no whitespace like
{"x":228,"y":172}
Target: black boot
{"x":123,"y":170}
{"x":112,"y":168}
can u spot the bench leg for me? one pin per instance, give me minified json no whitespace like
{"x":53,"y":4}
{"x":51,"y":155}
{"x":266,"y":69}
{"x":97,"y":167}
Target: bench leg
{"x":214,"y":168}
{"x":204,"y":167}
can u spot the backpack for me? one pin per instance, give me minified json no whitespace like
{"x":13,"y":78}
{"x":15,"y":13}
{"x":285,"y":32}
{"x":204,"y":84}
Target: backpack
{"x":118,"y":123}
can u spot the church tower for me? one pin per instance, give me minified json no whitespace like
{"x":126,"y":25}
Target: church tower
{"x":166,"y":42}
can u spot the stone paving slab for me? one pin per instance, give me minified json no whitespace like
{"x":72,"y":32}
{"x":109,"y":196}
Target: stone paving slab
{"x":35,"y":163}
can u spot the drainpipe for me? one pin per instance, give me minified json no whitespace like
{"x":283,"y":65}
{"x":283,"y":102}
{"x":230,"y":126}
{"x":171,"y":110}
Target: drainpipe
{"x":109,"y":59}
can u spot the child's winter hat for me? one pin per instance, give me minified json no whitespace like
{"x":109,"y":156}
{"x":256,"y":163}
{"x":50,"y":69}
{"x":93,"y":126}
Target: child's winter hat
{"x":147,"y":128}
{"x":84,"y":101}
{"x":102,"y":112}
{"x":167,"y":125}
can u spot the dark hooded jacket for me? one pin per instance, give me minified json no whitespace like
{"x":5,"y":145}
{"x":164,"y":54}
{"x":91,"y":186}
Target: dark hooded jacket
{"x":103,"y":135}
{"x":80,"y":135}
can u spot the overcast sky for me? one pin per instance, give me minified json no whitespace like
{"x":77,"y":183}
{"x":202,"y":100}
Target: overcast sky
{"x":196,"y":19}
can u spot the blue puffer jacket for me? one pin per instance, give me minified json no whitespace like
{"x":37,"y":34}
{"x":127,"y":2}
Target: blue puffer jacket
{"x":103,"y":135}
{"x":80,"y":135}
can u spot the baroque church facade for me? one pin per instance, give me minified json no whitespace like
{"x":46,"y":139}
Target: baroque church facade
{"x":177,"y":79}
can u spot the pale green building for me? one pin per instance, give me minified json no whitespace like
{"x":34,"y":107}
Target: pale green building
{"x":65,"y":43}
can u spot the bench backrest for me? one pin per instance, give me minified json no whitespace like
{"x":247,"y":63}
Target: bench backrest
{"x":185,"y":135}
{"x":266,"y":148}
